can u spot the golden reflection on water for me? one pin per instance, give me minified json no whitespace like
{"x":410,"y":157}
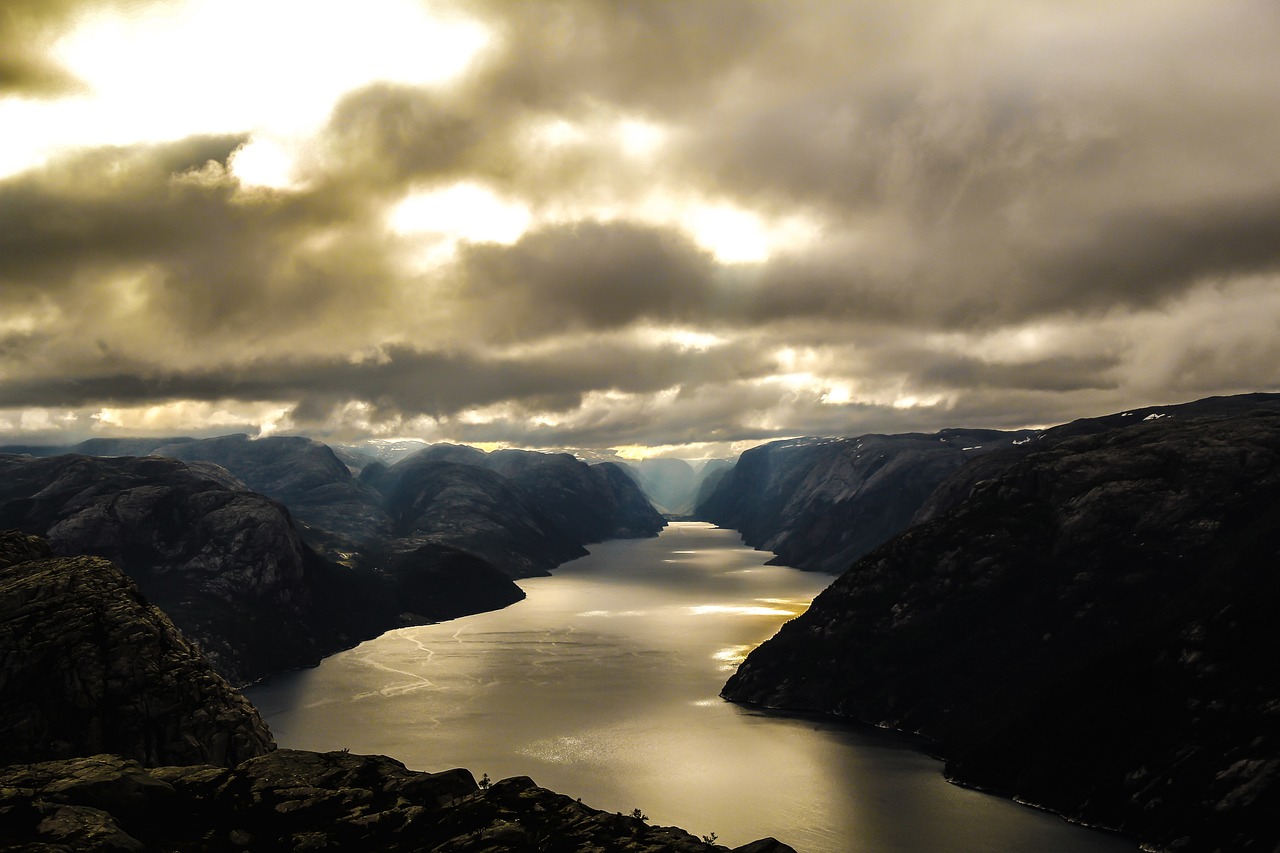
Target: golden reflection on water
{"x":737,"y":610}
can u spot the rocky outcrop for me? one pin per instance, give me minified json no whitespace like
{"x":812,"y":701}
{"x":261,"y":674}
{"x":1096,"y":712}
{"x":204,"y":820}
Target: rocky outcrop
{"x":88,"y":666}
{"x":227,"y":565}
{"x":820,"y":503}
{"x":291,"y":800}
{"x":1092,"y":629}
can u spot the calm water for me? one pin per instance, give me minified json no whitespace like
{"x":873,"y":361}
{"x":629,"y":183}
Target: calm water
{"x":602,"y":685}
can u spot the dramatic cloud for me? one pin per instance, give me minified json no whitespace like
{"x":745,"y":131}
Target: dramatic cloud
{"x":687,"y":226}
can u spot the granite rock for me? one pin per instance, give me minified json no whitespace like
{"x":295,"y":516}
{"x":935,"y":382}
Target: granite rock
{"x":88,"y":666}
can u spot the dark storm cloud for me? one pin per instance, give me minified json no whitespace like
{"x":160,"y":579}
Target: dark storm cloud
{"x":1147,"y":255}
{"x":208,"y":260}
{"x":591,"y":274}
{"x":401,"y":381}
{"x":106,"y":206}
{"x":1058,"y":373}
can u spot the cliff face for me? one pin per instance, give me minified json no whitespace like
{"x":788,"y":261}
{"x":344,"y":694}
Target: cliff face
{"x":819,"y":504}
{"x":1092,"y":628}
{"x":224,"y":563}
{"x":228,"y":565}
{"x":470,"y":508}
{"x":88,"y":666}
{"x":589,"y":502}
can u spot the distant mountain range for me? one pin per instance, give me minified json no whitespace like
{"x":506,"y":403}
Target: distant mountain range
{"x":271,"y":553}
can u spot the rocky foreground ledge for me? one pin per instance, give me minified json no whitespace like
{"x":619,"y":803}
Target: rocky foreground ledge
{"x":292,"y":800}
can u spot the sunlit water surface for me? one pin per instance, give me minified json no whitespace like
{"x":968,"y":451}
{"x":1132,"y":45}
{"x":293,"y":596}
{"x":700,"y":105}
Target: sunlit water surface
{"x":603,"y":685}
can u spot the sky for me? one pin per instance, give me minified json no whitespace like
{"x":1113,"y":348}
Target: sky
{"x":667,"y":228}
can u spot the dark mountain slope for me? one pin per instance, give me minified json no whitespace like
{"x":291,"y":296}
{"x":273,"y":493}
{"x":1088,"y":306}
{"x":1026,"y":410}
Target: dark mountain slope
{"x":632,"y":514}
{"x":821,"y":503}
{"x":88,"y":666}
{"x":470,"y":508}
{"x":1093,"y":629}
{"x":227,"y":565}
{"x":304,"y":475}
{"x":959,"y":485}
{"x":585,"y":501}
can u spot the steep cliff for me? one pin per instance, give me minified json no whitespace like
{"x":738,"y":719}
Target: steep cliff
{"x":820,"y":503}
{"x":589,"y":502}
{"x":1092,"y":628}
{"x":470,"y":508}
{"x":88,"y":666}
{"x":227,"y":565}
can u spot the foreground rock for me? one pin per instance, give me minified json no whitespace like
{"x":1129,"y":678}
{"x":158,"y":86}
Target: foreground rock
{"x":1091,"y":629}
{"x":820,"y":503}
{"x":88,"y":666}
{"x":291,"y":800}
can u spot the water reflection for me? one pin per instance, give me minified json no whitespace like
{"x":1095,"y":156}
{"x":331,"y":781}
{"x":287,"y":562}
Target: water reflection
{"x":602,"y":685}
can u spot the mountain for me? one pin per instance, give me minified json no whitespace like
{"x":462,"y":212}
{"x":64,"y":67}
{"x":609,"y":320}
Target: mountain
{"x":470,"y":508}
{"x":304,"y":475}
{"x":1090,"y":627}
{"x":820,"y":503}
{"x":670,"y":483}
{"x":88,"y":666}
{"x":271,"y":554}
{"x":591,"y":502}
{"x":227,"y":564}
{"x":119,"y":736}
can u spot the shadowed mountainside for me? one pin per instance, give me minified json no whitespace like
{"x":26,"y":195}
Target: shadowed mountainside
{"x":820,"y":503}
{"x":1090,"y":628}
{"x":227,"y":564}
{"x":88,"y":666}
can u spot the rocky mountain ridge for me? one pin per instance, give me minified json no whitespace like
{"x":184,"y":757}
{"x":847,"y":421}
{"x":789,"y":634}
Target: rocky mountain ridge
{"x":422,"y":541}
{"x":88,"y":666}
{"x":1088,"y":626}
{"x":820,"y":503}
